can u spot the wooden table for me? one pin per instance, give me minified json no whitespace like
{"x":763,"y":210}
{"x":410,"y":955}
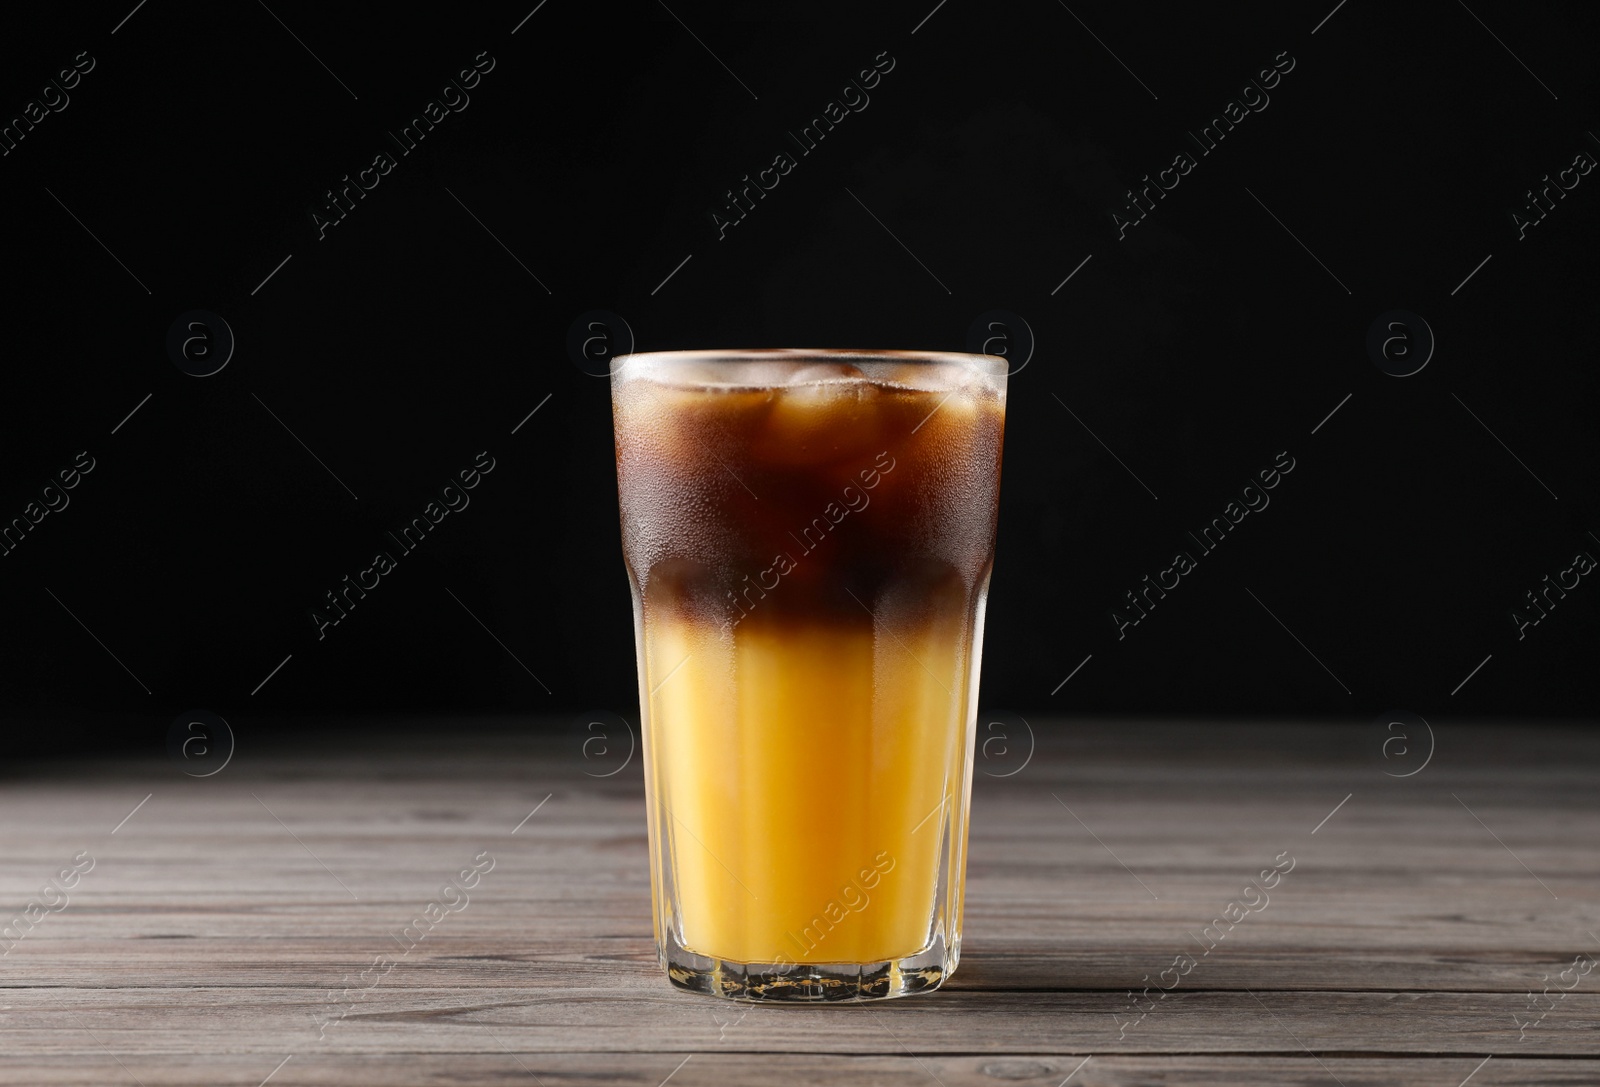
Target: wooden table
{"x":215,"y":935}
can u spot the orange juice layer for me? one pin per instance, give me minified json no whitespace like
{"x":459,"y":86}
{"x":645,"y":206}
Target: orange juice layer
{"x":805,"y":776}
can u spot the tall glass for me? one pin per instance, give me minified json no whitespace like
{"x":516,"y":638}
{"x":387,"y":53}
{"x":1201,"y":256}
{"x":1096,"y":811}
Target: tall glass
{"x":808,"y":536}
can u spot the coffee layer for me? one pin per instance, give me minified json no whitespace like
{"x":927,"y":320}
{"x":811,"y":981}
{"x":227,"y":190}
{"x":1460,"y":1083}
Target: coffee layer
{"x":810,"y":496}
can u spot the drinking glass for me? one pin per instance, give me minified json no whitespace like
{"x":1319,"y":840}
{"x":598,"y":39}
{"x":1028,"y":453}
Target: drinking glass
{"x":808,"y":536}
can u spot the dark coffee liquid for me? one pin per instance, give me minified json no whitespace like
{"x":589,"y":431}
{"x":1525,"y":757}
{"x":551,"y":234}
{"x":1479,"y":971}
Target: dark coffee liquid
{"x":807,"y":502}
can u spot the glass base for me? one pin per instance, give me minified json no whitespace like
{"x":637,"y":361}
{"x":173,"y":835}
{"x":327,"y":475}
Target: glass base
{"x":809,"y":983}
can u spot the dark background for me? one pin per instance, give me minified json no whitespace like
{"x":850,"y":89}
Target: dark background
{"x":996,"y":150}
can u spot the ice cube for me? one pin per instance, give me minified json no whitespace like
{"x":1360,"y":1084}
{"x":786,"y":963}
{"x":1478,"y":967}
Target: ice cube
{"x":826,"y":372}
{"x":830,"y":416}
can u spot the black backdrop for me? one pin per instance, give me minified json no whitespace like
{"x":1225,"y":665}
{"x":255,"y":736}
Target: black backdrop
{"x":1379,"y":172}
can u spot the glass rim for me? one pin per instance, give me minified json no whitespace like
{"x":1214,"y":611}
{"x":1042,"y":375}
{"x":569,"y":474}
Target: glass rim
{"x":988,"y":365}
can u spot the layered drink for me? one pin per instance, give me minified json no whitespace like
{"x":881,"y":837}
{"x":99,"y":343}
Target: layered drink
{"x":809,"y":536}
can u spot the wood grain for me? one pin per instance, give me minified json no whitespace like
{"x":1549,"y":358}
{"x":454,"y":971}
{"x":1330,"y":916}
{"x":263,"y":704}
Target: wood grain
{"x":220,"y":923}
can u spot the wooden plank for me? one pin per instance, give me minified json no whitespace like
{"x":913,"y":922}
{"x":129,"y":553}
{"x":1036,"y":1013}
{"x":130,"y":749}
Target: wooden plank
{"x":507,"y":956}
{"x":281,"y":1020}
{"x":711,"y":1069}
